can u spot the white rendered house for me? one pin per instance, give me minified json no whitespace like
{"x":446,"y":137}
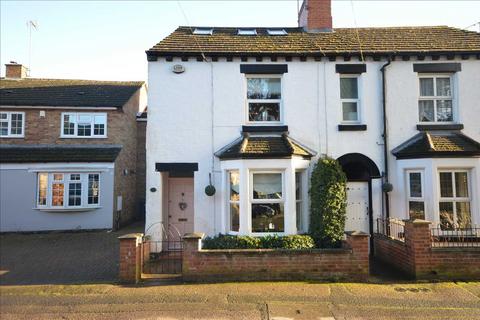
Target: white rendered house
{"x":249,"y":111}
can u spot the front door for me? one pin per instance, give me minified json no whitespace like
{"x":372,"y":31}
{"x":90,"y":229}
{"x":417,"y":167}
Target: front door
{"x":357,"y":207}
{"x":180,"y":208}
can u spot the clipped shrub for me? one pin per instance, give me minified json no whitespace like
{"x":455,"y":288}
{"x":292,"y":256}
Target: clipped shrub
{"x":328,"y":202}
{"x":294,"y":242}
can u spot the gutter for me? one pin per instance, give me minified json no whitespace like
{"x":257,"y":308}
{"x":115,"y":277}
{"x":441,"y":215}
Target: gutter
{"x":385,"y":135}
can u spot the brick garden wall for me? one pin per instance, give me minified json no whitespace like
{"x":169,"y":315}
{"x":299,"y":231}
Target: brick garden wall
{"x":350,"y":262}
{"x":417,"y":258}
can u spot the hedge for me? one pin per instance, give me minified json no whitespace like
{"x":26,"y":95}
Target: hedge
{"x":328,"y":202}
{"x":294,"y":242}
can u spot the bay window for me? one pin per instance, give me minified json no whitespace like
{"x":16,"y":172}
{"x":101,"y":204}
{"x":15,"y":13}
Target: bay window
{"x":12,"y":124}
{"x":267,"y":202}
{"x":454,"y":205}
{"x":264,"y":99}
{"x":84,"y":125}
{"x":67,"y":190}
{"x":436,"y":101}
{"x":234,"y":200}
{"x":299,"y":199}
{"x":415,"y":199}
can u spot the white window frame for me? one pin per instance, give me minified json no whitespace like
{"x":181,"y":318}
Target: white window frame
{"x":248,"y":101}
{"x":66,"y":180}
{"x":455,"y":199}
{"x":9,"y":121}
{"x":92,"y":123}
{"x":252,"y":201}
{"x":435,"y":98}
{"x":302,"y":200}
{"x":230,"y":202}
{"x":416,"y":199}
{"x":357,"y":101}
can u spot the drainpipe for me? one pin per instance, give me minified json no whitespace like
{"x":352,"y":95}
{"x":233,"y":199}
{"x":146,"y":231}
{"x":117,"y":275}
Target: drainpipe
{"x":385,"y":135}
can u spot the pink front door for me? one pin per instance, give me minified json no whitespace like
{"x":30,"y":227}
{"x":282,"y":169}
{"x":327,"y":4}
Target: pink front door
{"x":180,"y":207}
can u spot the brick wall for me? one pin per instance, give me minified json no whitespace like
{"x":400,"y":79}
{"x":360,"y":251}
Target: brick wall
{"x":417,"y":258}
{"x":130,"y":257}
{"x":141,"y":165}
{"x":350,"y":262}
{"x":121,"y":129}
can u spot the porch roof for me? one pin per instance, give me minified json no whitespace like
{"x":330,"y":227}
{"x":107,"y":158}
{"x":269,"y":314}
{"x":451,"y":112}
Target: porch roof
{"x":15,"y":153}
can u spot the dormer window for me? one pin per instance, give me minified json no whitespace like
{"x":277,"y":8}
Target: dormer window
{"x":276,"y":32}
{"x":203,"y":31}
{"x":247,"y":32}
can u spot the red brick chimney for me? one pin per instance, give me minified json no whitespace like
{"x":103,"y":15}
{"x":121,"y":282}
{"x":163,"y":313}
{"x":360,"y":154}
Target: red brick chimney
{"x":316,"y":15}
{"x":15,"y":70}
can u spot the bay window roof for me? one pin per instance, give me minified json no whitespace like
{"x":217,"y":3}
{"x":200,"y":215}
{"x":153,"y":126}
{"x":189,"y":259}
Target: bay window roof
{"x":437,"y":144}
{"x":264,"y":147}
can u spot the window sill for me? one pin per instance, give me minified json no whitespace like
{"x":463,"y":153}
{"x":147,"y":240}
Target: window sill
{"x":76,"y":137}
{"x":264,"y":128}
{"x":352,"y":127}
{"x":12,"y":137}
{"x":437,"y":126}
{"x":82,"y":209}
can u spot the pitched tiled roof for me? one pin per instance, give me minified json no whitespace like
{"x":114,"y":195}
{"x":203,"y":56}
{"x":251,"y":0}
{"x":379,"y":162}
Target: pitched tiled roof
{"x":391,"y":40}
{"x":254,"y":147}
{"x":71,"y":93}
{"x":437,"y":144}
{"x":58,"y":153}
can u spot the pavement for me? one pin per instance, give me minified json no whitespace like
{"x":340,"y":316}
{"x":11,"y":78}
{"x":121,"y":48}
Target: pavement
{"x":60,"y":257}
{"x":262,"y":300}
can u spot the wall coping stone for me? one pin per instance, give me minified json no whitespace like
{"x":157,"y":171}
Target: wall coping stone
{"x":194,"y":235}
{"x":131,"y":236}
{"x":357,"y":234}
{"x":279,"y":251}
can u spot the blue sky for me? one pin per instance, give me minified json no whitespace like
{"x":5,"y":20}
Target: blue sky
{"x":106,"y":40}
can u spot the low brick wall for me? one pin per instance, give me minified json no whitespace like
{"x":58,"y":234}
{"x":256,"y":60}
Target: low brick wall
{"x":130,"y":268}
{"x":417,"y":258}
{"x":350,"y":262}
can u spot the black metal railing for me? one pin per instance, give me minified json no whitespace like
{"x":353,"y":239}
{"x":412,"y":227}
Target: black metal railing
{"x":392,"y":228}
{"x":162,"y":257}
{"x":455,"y":237}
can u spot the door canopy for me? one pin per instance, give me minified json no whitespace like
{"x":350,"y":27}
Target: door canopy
{"x":359,"y":167}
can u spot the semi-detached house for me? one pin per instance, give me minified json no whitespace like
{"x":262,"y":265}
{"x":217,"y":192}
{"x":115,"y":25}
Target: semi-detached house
{"x":249,"y":110}
{"x":68,"y":152}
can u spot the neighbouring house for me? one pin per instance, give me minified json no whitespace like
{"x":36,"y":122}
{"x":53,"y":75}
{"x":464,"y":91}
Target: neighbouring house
{"x":69,"y":152}
{"x":249,"y":110}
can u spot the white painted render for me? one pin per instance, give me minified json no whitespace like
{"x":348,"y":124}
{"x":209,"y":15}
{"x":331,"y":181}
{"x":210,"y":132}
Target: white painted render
{"x":18,"y":194}
{"x":197,"y":112}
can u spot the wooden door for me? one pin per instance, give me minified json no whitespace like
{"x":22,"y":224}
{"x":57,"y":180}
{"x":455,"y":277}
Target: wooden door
{"x":180,"y":208}
{"x":357,"y":207}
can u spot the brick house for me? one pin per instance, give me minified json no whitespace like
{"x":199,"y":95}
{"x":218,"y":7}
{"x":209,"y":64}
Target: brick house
{"x":68,"y":152}
{"x":251,"y":109}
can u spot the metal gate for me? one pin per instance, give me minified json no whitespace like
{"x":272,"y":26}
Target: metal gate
{"x":162,"y":257}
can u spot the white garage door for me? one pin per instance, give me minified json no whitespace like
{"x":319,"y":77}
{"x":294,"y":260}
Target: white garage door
{"x":357,"y":207}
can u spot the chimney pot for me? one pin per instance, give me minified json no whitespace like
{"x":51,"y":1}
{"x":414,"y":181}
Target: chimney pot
{"x":316,"y":16}
{"x":14,"y":70}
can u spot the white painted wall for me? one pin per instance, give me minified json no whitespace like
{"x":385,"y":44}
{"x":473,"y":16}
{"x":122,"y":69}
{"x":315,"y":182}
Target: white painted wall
{"x":183,"y":109}
{"x":402,"y":113}
{"x":18,"y":187}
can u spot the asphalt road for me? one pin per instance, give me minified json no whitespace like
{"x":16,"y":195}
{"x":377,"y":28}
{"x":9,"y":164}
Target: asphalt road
{"x":280,"y":301}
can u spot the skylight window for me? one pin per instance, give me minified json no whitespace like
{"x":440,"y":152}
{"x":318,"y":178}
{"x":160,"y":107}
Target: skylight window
{"x":203,"y":31}
{"x":276,"y":32}
{"x":247,"y":32}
